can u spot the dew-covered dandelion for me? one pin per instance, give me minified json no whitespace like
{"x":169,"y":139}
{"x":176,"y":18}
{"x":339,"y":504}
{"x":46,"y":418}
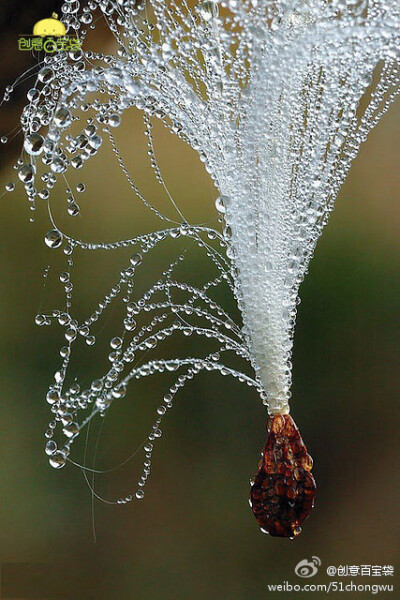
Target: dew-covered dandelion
{"x":276,"y":97}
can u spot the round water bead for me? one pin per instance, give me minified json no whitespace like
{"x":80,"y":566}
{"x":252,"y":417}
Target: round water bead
{"x":64,"y":277}
{"x":95,"y":142}
{"x":71,"y":430}
{"x":57,"y":460}
{"x":58,"y":165}
{"x":208,"y":9}
{"x":53,"y":238}
{"x":52,"y":396}
{"x":116,"y":342}
{"x":62,"y":117}
{"x":114,"y":120}
{"x":130,"y":324}
{"x":135,"y":260}
{"x":77,"y":162}
{"x":40,"y":320}
{"x":51,"y":447}
{"x":97,"y":385}
{"x":34,"y":144}
{"x":27,"y":173}
{"x":70,"y":334}
{"x":73,"y":209}
{"x":33,"y":94}
{"x":220,"y":205}
{"x":45,"y":75}
{"x":90,"y":130}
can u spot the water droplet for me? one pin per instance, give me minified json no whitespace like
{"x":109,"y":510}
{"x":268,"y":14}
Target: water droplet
{"x":116,"y":342}
{"x":95,"y":142}
{"x":62,"y":117}
{"x":53,"y":238}
{"x":58,"y":165}
{"x":40,"y":320}
{"x":71,"y":430}
{"x":135,"y":260}
{"x":97,"y":385}
{"x":52,"y":396}
{"x":70,"y":334}
{"x":129,"y":324}
{"x":32,"y":95}
{"x":33,"y":144}
{"x":221,"y":204}
{"x":51,"y":447}
{"x":114,"y":120}
{"x":26,"y":173}
{"x":208,"y":9}
{"x":45,"y":75}
{"x":73,"y":210}
{"x":57,"y":460}
{"x":77,"y":162}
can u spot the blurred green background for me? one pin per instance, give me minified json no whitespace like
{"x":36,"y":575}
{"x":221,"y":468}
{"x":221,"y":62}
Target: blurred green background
{"x":194,"y":536}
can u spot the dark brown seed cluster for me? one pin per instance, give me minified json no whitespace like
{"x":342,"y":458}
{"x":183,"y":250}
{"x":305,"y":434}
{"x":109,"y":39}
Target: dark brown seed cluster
{"x":283,"y":492}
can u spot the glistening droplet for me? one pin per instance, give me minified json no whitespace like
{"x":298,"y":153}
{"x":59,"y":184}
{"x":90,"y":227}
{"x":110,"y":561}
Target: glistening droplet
{"x":34,"y":144}
{"x":53,"y":238}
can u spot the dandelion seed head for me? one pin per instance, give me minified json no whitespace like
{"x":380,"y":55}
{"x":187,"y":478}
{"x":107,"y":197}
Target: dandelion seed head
{"x":276,"y":98}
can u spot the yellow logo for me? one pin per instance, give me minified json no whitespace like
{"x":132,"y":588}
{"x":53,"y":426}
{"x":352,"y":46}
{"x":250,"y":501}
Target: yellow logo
{"x":49,"y":35}
{"x":50,"y":27}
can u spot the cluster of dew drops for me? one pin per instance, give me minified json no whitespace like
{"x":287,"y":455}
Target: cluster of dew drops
{"x":44,"y":123}
{"x":151,"y":71}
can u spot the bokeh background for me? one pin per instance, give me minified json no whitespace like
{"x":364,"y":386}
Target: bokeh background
{"x":194,"y":536}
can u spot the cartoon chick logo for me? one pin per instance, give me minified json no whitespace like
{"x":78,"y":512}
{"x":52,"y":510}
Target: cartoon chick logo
{"x":50,"y":27}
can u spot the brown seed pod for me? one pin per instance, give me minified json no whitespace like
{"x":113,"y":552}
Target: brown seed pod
{"x":282,"y":494}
